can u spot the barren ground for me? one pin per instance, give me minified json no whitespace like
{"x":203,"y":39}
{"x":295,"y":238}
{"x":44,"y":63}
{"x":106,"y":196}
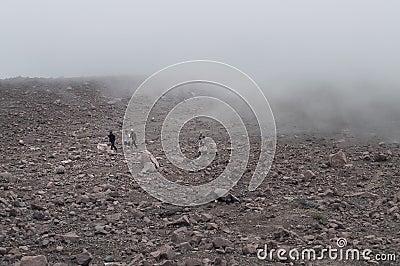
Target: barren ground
{"x":93,"y":203}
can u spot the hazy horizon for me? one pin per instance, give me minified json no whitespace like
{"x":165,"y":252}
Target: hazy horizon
{"x":321,"y":63}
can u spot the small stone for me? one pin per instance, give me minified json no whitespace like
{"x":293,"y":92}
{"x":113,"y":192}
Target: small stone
{"x":97,"y":189}
{"x":193,"y":262}
{"x":3,"y":251}
{"x":67,"y":162}
{"x":113,"y":218}
{"x":380,"y":157}
{"x":220,"y":262}
{"x":249,"y":249}
{"x":84,"y":258}
{"x":7,"y":177}
{"x":228,"y":198}
{"x":36,"y":205}
{"x":183,"y":221}
{"x":165,"y":252}
{"x":309,"y":175}
{"x":338,"y":159}
{"x":184,"y":247}
{"x":33,"y":261}
{"x":229,"y":250}
{"x":109,"y":258}
{"x":366,"y":156}
{"x":82,"y":199}
{"x":329,"y":192}
{"x":206,"y":217}
{"x":220,"y":242}
{"x":212,"y":226}
{"x":40,"y":216}
{"x":60,"y":169}
{"x":168,"y":263}
{"x":99,"y":229}
{"x":137,"y":214}
{"x":70,"y":237}
{"x":394,"y":209}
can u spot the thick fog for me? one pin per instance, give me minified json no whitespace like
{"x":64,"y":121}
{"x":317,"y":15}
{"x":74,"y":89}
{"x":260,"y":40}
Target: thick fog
{"x":270,"y":40}
{"x":331,"y":62}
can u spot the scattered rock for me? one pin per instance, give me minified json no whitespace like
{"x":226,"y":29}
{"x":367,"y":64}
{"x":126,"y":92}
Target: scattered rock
{"x":164,"y":253}
{"x":220,"y":242}
{"x":249,"y":249}
{"x":182,"y":221}
{"x":60,"y":169}
{"x":109,"y":258}
{"x":33,"y":261}
{"x":100,"y":229}
{"x":3,"y":251}
{"x":380,"y":157}
{"x":337,"y":160}
{"x":184,"y":247}
{"x":147,"y":157}
{"x":7,"y":177}
{"x":70,"y":237}
{"x":83,"y":258}
{"x":309,"y":175}
{"x":228,"y":198}
{"x":193,"y":262}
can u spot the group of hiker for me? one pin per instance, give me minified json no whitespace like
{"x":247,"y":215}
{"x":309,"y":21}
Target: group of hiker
{"x":130,"y":140}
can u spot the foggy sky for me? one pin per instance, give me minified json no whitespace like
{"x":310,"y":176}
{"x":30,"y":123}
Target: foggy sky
{"x":272,"y":41}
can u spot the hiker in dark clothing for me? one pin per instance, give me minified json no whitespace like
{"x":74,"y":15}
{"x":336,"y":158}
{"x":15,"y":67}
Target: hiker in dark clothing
{"x":201,"y":143}
{"x":111,"y":137}
{"x":201,"y":139}
{"x":133,"y":138}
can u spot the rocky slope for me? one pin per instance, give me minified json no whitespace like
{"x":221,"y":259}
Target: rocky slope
{"x":64,"y":202}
